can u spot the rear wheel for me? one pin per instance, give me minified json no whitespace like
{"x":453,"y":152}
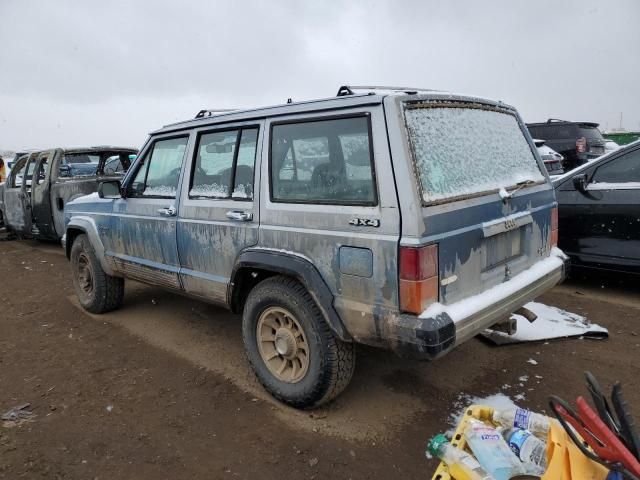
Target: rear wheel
{"x":291,"y":348}
{"x":97,"y":292}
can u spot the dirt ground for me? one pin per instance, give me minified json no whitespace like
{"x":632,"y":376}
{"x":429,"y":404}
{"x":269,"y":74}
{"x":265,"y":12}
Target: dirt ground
{"x":160,"y":389}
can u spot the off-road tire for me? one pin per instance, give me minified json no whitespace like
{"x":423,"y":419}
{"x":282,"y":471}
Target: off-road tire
{"x":331,"y":361}
{"x":106,"y":292}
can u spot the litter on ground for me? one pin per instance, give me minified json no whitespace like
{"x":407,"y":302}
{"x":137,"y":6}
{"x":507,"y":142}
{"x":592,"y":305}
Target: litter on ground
{"x":551,"y":323}
{"x":17,"y":415}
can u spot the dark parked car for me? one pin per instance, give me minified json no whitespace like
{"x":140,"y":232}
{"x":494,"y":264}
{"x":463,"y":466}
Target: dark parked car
{"x":577,"y":142}
{"x":41,"y":183}
{"x":599,"y":211}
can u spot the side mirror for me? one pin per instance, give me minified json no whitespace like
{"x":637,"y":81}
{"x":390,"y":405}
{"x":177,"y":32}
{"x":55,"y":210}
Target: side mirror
{"x":110,"y":189}
{"x":64,"y":171}
{"x":580,"y":182}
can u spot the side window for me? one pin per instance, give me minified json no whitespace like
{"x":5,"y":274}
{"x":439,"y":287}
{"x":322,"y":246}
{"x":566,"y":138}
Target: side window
{"x":323,"y":161}
{"x":42,"y":170}
{"x":17,"y":174}
{"x":625,"y":169}
{"x":79,"y":165}
{"x":224,"y":164}
{"x":159,"y":171}
{"x":117,"y":164}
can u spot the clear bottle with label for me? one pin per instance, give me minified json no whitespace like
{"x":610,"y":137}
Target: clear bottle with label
{"x":528,"y":448}
{"x":492,"y":451}
{"x":462,"y":466}
{"x":523,"y":419}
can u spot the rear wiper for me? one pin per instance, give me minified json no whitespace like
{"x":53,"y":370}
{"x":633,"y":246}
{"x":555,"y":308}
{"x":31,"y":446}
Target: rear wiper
{"x":504,"y":194}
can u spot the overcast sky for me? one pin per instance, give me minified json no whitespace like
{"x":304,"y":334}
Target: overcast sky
{"x":108,"y":72}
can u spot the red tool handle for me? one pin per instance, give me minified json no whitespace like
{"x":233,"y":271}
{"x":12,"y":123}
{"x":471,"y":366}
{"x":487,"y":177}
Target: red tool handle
{"x":602,"y":440}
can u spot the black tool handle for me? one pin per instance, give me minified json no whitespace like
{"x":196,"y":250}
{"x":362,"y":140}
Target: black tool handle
{"x":628,"y":429}
{"x":600,"y":401}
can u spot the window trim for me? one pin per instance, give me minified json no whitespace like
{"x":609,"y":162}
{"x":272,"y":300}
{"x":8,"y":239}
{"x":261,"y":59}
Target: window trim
{"x":234,"y":163}
{"x":141,"y":159}
{"x":295,"y":121}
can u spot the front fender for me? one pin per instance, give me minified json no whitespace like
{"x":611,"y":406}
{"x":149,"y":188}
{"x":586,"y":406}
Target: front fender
{"x":86,"y":225}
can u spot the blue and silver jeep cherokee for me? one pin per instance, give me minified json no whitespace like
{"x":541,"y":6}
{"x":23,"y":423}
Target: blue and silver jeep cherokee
{"x":401,"y":218}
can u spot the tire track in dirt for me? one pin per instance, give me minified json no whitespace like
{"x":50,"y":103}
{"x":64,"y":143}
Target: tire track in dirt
{"x":370,"y":409}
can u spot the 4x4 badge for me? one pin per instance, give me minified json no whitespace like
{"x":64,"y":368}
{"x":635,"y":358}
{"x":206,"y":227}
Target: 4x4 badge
{"x":365,"y":222}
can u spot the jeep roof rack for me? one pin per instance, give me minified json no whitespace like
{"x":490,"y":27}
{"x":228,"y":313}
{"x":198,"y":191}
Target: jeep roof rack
{"x":345,"y":90}
{"x":212,"y":111}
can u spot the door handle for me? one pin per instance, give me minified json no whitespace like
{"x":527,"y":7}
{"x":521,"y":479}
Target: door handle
{"x":239,"y":216}
{"x":169,"y":211}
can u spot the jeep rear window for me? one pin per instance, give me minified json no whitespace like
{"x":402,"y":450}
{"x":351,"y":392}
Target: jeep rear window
{"x":463,"y":150}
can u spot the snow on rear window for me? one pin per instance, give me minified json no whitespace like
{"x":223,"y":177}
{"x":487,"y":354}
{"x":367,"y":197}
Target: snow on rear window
{"x":461,"y":151}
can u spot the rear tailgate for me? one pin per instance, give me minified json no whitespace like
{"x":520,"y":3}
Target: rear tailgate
{"x":485,"y":199}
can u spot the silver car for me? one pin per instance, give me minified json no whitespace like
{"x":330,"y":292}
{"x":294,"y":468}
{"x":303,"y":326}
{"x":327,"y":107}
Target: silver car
{"x":400,"y":218}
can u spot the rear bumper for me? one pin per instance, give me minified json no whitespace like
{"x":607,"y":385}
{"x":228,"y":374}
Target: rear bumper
{"x":441,"y":327}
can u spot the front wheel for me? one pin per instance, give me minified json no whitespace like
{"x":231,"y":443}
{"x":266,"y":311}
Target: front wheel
{"x":97,"y":291}
{"x":291,"y":348}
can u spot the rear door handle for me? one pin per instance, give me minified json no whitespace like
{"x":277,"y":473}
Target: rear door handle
{"x":239,"y":216}
{"x":170,"y":211}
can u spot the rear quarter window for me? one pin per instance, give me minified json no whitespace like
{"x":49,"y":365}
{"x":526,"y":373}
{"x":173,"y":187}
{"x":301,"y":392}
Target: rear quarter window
{"x":323,"y":162}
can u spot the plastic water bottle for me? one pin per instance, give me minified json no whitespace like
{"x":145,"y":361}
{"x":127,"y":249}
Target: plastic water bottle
{"x":492,"y":451}
{"x":528,"y":448}
{"x":462,"y":466}
{"x":523,"y":419}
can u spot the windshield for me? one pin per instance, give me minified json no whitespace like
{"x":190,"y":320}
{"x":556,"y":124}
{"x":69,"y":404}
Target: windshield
{"x":461,"y":150}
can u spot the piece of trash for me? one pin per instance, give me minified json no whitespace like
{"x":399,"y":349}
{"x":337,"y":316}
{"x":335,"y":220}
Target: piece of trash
{"x":153,"y":301}
{"x":551,"y":323}
{"x":532,"y":361}
{"x":17,"y":415}
{"x":109,"y":408}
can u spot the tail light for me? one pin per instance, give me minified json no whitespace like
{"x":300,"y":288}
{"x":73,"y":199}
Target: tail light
{"x":581,"y":145}
{"x":554,"y":227}
{"x":418,"y":278}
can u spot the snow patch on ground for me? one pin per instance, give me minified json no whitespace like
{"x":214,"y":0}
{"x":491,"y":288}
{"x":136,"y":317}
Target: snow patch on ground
{"x":498,"y":401}
{"x":552,"y":322}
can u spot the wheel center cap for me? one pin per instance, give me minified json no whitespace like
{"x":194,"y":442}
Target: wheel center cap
{"x":285,"y":342}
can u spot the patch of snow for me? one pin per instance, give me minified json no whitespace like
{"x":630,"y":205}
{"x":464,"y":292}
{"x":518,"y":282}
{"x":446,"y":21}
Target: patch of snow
{"x":614,"y":186}
{"x":213,"y":190}
{"x":532,"y":361}
{"x":160,"y":191}
{"x":552,"y":322}
{"x":498,"y":401}
{"x":524,"y":378}
{"x":503,"y":193}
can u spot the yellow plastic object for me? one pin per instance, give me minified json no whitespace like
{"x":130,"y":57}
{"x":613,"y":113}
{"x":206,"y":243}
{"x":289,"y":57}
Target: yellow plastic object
{"x":474,"y":412}
{"x":565,"y":460}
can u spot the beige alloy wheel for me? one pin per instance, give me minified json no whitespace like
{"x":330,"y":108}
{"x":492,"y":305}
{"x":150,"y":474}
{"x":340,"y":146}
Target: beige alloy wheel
{"x":282,"y":344}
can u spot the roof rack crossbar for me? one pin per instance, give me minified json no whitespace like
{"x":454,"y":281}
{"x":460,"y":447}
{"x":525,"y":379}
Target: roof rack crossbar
{"x":352,"y":89}
{"x":213,"y":111}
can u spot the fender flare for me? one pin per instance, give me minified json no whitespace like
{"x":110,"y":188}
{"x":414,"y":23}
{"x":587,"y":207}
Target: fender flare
{"x":88,"y":226}
{"x":302,"y":270}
